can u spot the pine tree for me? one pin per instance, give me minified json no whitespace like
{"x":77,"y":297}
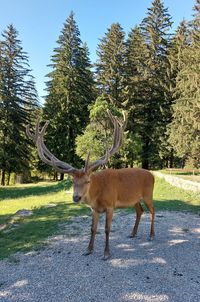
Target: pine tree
{"x":155,"y":109}
{"x":18,"y":101}
{"x":185,"y":127}
{"x":179,"y":42}
{"x":175,"y":52}
{"x":136,"y":52}
{"x":110,"y":65}
{"x":70,"y":90}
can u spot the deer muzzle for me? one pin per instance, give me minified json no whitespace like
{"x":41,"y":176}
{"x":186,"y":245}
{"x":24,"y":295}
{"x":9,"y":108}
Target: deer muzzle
{"x":76,"y":198}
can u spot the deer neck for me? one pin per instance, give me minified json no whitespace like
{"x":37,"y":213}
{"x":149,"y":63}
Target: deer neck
{"x":92,"y":193}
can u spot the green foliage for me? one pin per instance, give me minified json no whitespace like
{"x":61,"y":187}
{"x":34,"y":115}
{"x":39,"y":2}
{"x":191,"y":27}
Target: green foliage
{"x":156,"y":108}
{"x":173,"y":64}
{"x":146,"y":82}
{"x":18,"y":103}
{"x":153,"y":75}
{"x":98,"y":136}
{"x":110,"y":66}
{"x":70,"y":91}
{"x":184,"y":130}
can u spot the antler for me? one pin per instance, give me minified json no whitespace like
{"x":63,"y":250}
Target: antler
{"x":117,"y":142}
{"x":45,"y":155}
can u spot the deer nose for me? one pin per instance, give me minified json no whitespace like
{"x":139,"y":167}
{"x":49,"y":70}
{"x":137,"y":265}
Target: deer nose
{"x":76,"y":198}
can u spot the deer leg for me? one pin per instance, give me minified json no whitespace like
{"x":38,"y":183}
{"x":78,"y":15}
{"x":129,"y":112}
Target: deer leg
{"x":139,"y":212}
{"x":95,"y":219}
{"x":109,"y":215}
{"x":152,"y":215}
{"x":150,"y":207}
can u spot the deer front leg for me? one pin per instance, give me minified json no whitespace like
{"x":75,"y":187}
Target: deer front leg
{"x":95,"y":219}
{"x":109,"y":215}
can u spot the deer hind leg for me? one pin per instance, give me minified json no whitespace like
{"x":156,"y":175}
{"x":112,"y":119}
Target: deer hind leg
{"x":139,"y":212}
{"x":149,"y":204}
{"x":95,"y":220}
{"x":109,"y":215}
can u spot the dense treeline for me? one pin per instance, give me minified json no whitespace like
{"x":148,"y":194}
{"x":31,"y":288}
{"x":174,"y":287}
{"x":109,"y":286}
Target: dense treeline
{"x":153,"y":74}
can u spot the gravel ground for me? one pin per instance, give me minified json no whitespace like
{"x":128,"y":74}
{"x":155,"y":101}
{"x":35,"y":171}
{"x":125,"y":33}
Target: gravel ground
{"x":166,"y":269}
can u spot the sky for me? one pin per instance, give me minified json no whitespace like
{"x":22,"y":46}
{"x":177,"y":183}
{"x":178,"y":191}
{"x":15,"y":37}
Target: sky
{"x":39,"y":23}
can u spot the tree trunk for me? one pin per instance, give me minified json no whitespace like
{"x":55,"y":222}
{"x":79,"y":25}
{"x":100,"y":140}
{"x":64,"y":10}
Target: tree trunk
{"x":61,"y":176}
{"x":8,"y":179}
{"x":171,"y":159}
{"x":145,"y":163}
{"x":55,"y":176}
{"x":3,"y":174}
{"x":145,"y":153}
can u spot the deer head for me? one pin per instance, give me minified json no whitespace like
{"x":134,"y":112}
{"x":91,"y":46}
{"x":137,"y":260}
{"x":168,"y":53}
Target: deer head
{"x":81,"y":177}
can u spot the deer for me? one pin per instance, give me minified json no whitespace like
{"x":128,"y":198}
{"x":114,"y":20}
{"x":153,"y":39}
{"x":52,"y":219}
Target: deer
{"x":105,"y":190}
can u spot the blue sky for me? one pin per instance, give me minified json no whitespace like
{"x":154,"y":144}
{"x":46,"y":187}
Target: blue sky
{"x":39,"y":23}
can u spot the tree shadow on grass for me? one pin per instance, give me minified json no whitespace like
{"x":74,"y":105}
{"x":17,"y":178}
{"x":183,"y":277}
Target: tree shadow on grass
{"x":31,"y":232}
{"x":176,"y":205}
{"x":172,"y":205}
{"x":20,"y":192}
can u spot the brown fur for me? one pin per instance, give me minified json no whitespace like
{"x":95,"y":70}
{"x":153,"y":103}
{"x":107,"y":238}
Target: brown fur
{"x":109,"y":189}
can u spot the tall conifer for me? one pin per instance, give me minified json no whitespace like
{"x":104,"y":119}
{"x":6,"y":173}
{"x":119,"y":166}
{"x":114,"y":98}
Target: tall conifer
{"x":70,"y":90}
{"x":111,"y":65}
{"x":18,"y":101}
{"x":175,"y":54}
{"x":155,"y":30}
{"x":185,"y":127}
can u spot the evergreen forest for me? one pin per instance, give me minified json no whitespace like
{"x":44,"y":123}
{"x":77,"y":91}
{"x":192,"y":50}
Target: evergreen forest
{"x":151,"y":72}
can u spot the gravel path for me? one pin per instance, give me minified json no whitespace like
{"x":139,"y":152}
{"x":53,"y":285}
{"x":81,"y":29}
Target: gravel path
{"x":164,"y":270}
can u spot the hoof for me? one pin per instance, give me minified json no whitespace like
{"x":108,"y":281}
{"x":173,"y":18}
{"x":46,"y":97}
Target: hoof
{"x":106,"y":257}
{"x":132,"y":236}
{"x":151,"y":238}
{"x":88,"y":252}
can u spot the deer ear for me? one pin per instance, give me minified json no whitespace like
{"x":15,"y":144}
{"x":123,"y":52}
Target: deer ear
{"x":87,"y":163}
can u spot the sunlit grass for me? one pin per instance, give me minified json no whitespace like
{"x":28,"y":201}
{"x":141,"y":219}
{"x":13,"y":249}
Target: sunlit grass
{"x":184,"y":174}
{"x":11,"y":206}
{"x":171,"y":198}
{"x":31,"y":232}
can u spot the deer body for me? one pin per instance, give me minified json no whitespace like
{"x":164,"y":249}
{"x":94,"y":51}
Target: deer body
{"x":119,"y":188}
{"x":106,"y":190}
{"x":110,"y":189}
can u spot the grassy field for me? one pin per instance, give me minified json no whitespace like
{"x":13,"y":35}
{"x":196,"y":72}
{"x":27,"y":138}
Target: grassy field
{"x":24,"y":234}
{"x":182,"y":173}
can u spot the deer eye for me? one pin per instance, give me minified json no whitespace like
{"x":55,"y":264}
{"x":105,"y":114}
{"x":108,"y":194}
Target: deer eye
{"x":87,"y":181}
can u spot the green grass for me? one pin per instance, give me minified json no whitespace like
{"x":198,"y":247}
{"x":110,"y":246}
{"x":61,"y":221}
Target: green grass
{"x":31,"y":232}
{"x":188,"y":175}
{"x":170,"y":198}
